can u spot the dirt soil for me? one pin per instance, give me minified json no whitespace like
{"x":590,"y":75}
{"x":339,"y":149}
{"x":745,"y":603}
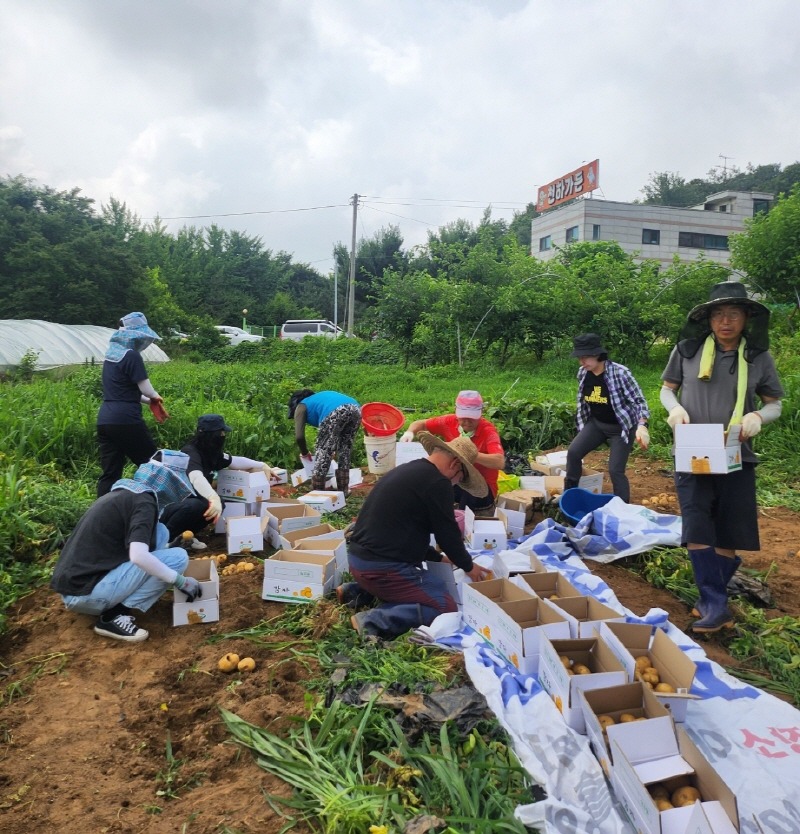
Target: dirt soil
{"x":84,"y":721}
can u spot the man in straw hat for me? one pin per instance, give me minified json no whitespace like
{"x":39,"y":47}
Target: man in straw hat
{"x":719,"y":367}
{"x":391,"y":539}
{"x":468,"y":421}
{"x":117,"y":561}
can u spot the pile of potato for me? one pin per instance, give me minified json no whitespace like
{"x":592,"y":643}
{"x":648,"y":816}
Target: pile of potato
{"x":231,"y":662}
{"x":574,"y":668}
{"x":624,"y":718}
{"x":679,"y":793}
{"x":649,"y":675}
{"x":238,"y":567}
{"x":663,"y":499}
{"x":218,"y":558}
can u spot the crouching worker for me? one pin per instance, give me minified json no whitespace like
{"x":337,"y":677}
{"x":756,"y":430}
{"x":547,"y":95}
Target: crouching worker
{"x":206,"y":456}
{"x":391,"y":539}
{"x":117,"y":562}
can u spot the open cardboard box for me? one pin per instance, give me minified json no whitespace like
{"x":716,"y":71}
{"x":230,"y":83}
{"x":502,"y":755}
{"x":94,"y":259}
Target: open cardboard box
{"x":241,"y":485}
{"x":640,"y":761}
{"x":205,"y":609}
{"x":521,"y":500}
{"x":287,"y":541}
{"x":705,"y":449}
{"x":298,"y":576}
{"x":605,"y":670}
{"x":330,"y":546}
{"x":288,"y":518}
{"x":585,"y":613}
{"x":615,"y":701}
{"x":631,"y":640}
{"x":485,"y":533}
{"x":245,"y":534}
{"x":479,"y":609}
{"x":552,"y":585}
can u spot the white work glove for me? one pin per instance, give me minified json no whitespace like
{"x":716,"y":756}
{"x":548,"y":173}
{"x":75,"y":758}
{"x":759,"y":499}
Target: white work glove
{"x":643,"y":436}
{"x":677,"y":415}
{"x":407,"y":437}
{"x":272,"y":473}
{"x":751,"y":425}
{"x":214,"y":510}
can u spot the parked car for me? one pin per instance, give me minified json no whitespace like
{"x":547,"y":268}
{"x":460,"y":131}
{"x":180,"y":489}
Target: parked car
{"x":297,"y":329}
{"x":235,"y":335}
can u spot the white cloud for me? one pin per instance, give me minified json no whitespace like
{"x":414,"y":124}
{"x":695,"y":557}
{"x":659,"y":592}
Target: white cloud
{"x":197,"y":107}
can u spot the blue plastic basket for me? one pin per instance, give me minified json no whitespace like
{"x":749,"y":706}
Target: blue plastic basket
{"x":575,"y":503}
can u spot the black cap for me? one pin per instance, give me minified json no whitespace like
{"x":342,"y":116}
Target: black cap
{"x":212,"y":422}
{"x":588,"y":344}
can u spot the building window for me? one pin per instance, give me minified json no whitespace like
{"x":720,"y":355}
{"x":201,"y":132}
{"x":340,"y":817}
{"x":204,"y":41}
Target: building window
{"x":651,"y":236}
{"x":723,"y":209}
{"x":545,"y":243}
{"x":698,"y":240}
{"x":760,"y":207}
{"x":596,"y":231}
{"x":572,"y":234}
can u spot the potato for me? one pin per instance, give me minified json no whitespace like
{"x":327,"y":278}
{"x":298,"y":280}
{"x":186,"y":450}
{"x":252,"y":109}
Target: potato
{"x":626,"y":717}
{"x":581,"y":669}
{"x":663,"y":805}
{"x":187,"y":535}
{"x":565,"y":660}
{"x":228,"y":662}
{"x":687,"y":795}
{"x":606,"y":721}
{"x":642,"y":663}
{"x":246,"y":664}
{"x":664,"y":687}
{"x":650,"y":677}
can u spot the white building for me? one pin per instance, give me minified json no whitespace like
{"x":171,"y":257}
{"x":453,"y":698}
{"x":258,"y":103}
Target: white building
{"x":648,"y":232}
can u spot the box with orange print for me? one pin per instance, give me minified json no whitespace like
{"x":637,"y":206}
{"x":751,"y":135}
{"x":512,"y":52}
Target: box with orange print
{"x":298,"y":576}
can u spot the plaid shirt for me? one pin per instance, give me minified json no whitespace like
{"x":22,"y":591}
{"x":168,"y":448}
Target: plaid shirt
{"x":627,"y":399}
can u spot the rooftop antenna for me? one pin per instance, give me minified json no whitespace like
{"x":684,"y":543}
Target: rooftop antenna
{"x":725,"y":164}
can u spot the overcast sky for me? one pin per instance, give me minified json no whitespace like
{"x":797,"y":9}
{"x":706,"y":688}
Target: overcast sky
{"x":278,"y":111}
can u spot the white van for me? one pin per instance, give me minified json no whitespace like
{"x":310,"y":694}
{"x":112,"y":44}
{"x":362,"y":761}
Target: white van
{"x":297,"y":329}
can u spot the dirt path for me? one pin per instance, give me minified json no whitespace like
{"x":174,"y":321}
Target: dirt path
{"x":85,"y":722}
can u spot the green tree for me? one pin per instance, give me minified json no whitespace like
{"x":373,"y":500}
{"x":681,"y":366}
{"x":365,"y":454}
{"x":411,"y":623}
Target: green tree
{"x":768,"y":252}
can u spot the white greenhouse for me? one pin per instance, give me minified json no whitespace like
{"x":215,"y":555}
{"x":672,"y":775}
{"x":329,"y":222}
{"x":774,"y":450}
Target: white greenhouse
{"x":59,"y":344}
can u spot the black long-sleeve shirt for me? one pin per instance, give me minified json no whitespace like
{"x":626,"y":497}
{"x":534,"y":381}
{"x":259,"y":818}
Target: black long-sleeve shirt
{"x":403,"y":509}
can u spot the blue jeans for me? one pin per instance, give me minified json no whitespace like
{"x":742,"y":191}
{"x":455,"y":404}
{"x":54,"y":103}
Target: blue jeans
{"x":410,"y":595}
{"x":129,"y":584}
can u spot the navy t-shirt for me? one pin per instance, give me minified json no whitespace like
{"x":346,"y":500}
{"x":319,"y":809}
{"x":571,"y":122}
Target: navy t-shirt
{"x":122,"y":402}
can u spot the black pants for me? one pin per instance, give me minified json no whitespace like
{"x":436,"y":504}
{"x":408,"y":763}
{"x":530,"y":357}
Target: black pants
{"x":119,"y":443}
{"x":595,"y":434}
{"x":185,"y":515}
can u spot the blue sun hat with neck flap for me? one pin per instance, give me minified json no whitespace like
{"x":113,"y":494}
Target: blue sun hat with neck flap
{"x":134,"y":334}
{"x":165,"y":475}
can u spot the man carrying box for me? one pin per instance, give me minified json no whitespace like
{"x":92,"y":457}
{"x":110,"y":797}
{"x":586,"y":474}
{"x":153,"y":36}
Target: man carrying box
{"x":721,"y":365}
{"x":391,"y":539}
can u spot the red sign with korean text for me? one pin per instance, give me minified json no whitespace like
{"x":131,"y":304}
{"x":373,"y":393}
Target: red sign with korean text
{"x":572,"y":185}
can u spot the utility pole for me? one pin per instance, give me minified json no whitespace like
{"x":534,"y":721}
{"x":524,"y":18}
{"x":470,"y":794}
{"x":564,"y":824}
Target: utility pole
{"x":352,"y":296}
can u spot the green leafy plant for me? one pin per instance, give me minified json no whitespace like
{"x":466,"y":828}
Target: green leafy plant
{"x":170,"y":778}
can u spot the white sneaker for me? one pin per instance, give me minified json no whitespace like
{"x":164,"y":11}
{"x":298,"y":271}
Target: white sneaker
{"x":122,"y":627}
{"x":196,"y":544}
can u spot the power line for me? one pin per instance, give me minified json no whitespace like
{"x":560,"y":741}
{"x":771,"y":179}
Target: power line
{"x":244,"y":213}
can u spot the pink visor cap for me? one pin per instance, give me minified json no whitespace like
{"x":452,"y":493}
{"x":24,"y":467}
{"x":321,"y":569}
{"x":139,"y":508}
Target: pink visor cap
{"x":469,"y":404}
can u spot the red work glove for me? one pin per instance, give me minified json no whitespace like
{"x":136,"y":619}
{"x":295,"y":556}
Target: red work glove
{"x":159,"y":412}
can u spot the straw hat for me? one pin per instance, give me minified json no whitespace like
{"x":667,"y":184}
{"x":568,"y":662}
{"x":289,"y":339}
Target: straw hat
{"x":466,"y":452}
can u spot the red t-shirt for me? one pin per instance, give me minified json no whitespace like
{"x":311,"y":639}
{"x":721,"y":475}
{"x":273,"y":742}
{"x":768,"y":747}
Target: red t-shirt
{"x":485,"y":438}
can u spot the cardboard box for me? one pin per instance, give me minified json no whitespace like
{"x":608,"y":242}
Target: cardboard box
{"x":298,"y":576}
{"x":606,"y":670}
{"x":551,"y":585}
{"x":614,"y":701}
{"x":230,"y":509}
{"x":704,"y":449}
{"x":287,"y":541}
{"x":662,"y":755}
{"x":546,"y":484}
{"x":245,"y":534}
{"x":287,"y":518}
{"x":511,"y":562}
{"x":590,"y":479}
{"x":324,"y":502}
{"x":328,"y":546}
{"x":585,"y":614}
{"x":485,"y":533}
{"x":240,"y":485}
{"x":631,"y":640}
{"x":479,"y":609}
{"x":205,"y":609}
{"x":521,"y":500}
{"x":279,"y":476}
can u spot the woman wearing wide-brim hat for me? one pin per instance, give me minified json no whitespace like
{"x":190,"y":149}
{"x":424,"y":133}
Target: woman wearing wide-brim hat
{"x":611,"y":409}
{"x":719,"y":368}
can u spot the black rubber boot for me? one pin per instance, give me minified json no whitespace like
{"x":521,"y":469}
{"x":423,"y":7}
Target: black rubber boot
{"x":343,"y":481}
{"x":713,"y":592}
{"x":728,"y":565}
